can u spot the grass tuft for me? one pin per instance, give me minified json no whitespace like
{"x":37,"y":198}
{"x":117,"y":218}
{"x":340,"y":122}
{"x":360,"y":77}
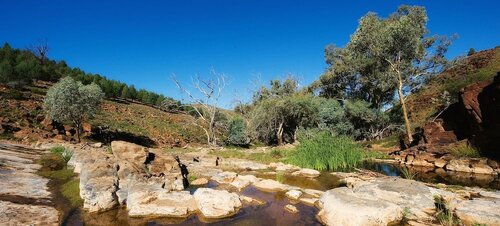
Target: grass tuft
{"x":326,"y":152}
{"x":465,"y":150}
{"x":408,"y":174}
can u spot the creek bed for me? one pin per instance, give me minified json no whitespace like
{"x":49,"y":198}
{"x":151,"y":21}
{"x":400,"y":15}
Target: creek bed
{"x":270,"y":213}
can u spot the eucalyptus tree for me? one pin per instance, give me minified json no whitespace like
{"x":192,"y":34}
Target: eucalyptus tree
{"x":386,"y":56}
{"x":71,"y":101}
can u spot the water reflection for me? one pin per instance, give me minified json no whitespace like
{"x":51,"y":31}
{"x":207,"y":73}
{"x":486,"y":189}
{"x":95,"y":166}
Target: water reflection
{"x":438,"y":175}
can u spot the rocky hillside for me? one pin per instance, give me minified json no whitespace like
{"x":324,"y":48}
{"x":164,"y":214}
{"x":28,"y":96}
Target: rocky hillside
{"x":22,"y":118}
{"x":429,"y":101}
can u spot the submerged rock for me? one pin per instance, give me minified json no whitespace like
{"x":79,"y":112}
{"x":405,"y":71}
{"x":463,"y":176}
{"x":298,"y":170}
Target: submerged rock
{"x":216,"y":203}
{"x":160,"y":202}
{"x":306,"y":173}
{"x":270,"y":185}
{"x":291,"y":208}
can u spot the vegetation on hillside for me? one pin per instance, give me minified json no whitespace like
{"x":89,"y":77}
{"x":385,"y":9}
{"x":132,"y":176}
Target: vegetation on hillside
{"x":19,"y":68}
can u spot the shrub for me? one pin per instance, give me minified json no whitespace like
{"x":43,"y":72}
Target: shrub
{"x":237,"y":133}
{"x":326,"y":152}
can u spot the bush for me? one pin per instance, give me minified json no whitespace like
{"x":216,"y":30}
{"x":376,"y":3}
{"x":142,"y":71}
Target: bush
{"x":237,"y":133}
{"x":326,"y":152}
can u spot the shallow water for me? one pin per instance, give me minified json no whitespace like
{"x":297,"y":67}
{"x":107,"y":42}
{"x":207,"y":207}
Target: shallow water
{"x":270,"y":213}
{"x":432,"y":175}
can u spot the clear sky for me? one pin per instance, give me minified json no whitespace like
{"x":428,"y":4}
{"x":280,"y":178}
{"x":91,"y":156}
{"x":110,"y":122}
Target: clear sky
{"x":144,"y":42}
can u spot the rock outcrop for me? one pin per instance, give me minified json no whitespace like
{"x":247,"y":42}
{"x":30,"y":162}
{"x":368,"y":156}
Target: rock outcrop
{"x":385,"y":200}
{"x":473,"y":120}
{"x":24,"y":196}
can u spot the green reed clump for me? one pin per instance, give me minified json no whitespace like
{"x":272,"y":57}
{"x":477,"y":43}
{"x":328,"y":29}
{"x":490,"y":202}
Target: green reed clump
{"x":326,"y":152}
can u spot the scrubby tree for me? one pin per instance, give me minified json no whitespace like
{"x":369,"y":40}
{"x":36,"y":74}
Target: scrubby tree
{"x":237,"y":133}
{"x":71,"y":101}
{"x":471,"y":52}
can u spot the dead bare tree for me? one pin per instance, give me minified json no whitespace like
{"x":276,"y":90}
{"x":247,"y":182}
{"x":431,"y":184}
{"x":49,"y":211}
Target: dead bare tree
{"x":206,"y":102}
{"x":40,"y":50}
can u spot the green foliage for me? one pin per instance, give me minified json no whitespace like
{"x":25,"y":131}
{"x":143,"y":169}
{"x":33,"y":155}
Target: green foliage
{"x":237,"y":133}
{"x":71,"y":101}
{"x":465,"y":150}
{"x":406,"y":212}
{"x":57,"y":149}
{"x":63,"y":152}
{"x":327,"y":152}
{"x":472,"y":51}
{"x":71,"y":191}
{"x":408,"y":173}
{"x":444,"y":213}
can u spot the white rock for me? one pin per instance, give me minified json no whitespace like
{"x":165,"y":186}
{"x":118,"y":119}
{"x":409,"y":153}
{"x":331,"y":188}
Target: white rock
{"x":224,"y":177}
{"x":216,"y":203}
{"x":291,"y":208}
{"x":293,"y":194}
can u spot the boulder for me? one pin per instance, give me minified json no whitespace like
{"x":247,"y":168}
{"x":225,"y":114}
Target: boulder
{"x":480,"y":105}
{"x":134,"y":154}
{"x":440,"y":163}
{"x":224,"y":177}
{"x":216,"y":203}
{"x":306,"y":173}
{"x":479,"y":211}
{"x":481,"y":166}
{"x":293,"y":194}
{"x":291,"y":208}
{"x":377,"y":202}
{"x":98,"y":186}
{"x":460,"y":165}
{"x":240,"y":183}
{"x":434,"y":133}
{"x":341,"y":206}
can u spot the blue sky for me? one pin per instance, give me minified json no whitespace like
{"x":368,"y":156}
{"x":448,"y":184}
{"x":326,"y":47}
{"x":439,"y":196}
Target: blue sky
{"x":144,"y":42}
